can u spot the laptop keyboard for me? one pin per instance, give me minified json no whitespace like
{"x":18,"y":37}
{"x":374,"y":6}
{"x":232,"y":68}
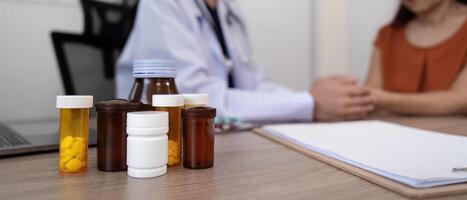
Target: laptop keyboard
{"x":9,"y":138}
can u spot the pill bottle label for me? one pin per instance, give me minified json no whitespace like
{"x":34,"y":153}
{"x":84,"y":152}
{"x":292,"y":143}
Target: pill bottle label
{"x":146,"y":152}
{"x":174,"y":135}
{"x":74,"y":124}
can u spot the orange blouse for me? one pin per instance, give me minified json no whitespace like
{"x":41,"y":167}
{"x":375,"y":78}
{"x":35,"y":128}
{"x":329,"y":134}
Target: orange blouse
{"x":406,"y":68}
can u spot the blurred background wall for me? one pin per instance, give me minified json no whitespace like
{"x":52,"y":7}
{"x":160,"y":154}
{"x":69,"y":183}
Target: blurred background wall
{"x":29,"y":77}
{"x":345,"y":32}
{"x":296,"y":41}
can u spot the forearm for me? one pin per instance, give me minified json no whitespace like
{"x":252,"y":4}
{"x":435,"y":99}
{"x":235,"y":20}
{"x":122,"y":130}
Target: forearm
{"x":428,"y":103}
{"x":257,"y":106}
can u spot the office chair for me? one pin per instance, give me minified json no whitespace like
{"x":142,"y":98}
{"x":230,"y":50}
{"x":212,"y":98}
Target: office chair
{"x":87,"y":60}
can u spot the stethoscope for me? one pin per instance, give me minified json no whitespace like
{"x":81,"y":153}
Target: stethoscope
{"x":233,"y":21}
{"x":231,"y":16}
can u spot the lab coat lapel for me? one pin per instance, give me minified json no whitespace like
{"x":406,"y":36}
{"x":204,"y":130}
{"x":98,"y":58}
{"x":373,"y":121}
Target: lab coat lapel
{"x":242,"y":70}
{"x":222,"y":10}
{"x":215,"y":49}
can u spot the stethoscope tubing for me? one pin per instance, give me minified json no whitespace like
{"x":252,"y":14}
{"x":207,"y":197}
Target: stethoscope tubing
{"x":230,"y":17}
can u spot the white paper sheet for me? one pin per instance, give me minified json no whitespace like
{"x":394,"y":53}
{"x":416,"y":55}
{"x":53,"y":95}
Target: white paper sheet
{"x":411,"y":156}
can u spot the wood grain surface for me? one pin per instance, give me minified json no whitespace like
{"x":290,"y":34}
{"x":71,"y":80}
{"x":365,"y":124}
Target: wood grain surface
{"x":246,"y":166}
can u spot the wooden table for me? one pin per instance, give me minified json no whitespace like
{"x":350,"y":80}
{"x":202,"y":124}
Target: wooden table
{"x":247,"y":166}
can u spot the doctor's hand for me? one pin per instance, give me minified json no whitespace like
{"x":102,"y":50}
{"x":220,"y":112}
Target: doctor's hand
{"x":340,"y":98}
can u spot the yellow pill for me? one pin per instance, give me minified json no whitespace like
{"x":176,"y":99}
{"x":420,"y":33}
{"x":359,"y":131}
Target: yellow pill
{"x":73,"y":165}
{"x":78,"y":146}
{"x":63,"y":161}
{"x":172,"y":143}
{"x":69,"y":152}
{"x":66,"y":142}
{"x":81,"y":139}
{"x":81,"y":156}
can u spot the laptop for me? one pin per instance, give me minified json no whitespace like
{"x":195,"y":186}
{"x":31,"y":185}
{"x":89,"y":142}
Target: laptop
{"x":36,"y":136}
{"x":83,"y":71}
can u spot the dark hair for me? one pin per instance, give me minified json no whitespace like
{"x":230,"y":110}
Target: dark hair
{"x":404,"y":15}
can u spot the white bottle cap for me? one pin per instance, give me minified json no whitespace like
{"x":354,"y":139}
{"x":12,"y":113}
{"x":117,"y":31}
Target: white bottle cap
{"x":147,"y":119}
{"x":167,"y":100}
{"x":196,"y":99}
{"x":74,"y":101}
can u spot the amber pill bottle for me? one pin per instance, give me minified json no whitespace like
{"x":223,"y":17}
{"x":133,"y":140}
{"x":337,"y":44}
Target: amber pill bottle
{"x":198,"y":137}
{"x":172,"y":104}
{"x":74,"y":132}
{"x":111,"y":133}
{"x":152,"y":77}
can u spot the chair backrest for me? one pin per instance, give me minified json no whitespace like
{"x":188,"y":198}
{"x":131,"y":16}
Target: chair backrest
{"x":111,"y":23}
{"x":82,"y":66}
{"x":87,"y":61}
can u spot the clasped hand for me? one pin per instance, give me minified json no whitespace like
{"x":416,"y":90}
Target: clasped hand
{"x":340,"y":98}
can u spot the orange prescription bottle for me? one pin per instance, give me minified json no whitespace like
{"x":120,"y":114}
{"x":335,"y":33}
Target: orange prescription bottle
{"x":74,"y":130}
{"x":173,"y":105}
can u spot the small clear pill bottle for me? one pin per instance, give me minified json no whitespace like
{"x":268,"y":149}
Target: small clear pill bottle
{"x":147,"y":143}
{"x":195,"y":100}
{"x":198,"y":137}
{"x":173,"y":105}
{"x":74,"y":132}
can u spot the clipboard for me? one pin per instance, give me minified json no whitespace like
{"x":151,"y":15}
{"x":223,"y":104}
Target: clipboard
{"x":397,"y":187}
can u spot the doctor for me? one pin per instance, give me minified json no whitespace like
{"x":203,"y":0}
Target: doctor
{"x":208,"y":41}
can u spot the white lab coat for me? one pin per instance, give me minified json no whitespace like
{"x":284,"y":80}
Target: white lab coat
{"x":177,"y":30}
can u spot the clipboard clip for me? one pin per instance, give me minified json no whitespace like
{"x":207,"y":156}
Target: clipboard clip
{"x":460,"y":169}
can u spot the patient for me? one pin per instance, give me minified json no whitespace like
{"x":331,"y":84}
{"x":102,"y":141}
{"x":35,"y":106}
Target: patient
{"x":419,"y":61}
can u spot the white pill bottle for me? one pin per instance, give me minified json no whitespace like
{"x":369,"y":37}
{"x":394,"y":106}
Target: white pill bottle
{"x":147,"y":143}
